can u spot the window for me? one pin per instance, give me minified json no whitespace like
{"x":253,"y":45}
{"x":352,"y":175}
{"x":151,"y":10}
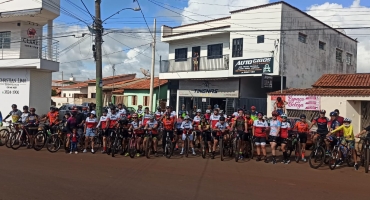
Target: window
{"x":302,"y":37}
{"x":93,"y":95}
{"x":260,"y":39}
{"x":322,"y":45}
{"x":70,"y":94}
{"x":181,"y":54}
{"x":134,"y":100}
{"x":5,"y":40}
{"x":338,"y":55}
{"x":214,"y":51}
{"x":238,"y":47}
{"x":146,"y":100}
{"x":64,"y":95}
{"x":349,"y":59}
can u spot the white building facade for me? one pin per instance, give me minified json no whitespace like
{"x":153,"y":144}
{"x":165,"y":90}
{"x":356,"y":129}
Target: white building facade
{"x":222,"y":61}
{"x":27,"y":56}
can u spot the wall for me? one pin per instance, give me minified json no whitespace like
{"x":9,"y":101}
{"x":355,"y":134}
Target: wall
{"x":13,"y":91}
{"x":304,"y":63}
{"x":15,"y":34}
{"x":91,"y":89}
{"x":84,"y":100}
{"x":31,"y":46}
{"x":70,"y":91}
{"x":40,"y":91}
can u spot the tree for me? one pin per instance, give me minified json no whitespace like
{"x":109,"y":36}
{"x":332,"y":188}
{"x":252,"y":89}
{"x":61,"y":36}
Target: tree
{"x":53,"y":92}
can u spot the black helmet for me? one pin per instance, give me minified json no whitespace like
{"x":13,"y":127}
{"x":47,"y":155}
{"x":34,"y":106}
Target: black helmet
{"x":14,"y":106}
{"x":247,"y":112}
{"x":52,"y":108}
{"x":113,"y":108}
{"x":25,"y":107}
{"x":159,"y":108}
{"x":222,"y":119}
{"x":302,"y":116}
{"x":333,"y":114}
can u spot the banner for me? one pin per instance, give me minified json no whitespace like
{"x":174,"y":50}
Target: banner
{"x":302,"y":102}
{"x":254,"y":66}
{"x":273,"y":100}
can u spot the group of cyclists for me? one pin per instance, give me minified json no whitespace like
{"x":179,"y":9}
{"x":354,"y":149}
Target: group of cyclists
{"x":251,"y":127}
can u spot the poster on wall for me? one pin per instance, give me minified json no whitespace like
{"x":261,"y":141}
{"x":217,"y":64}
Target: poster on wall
{"x":209,"y":88}
{"x":302,"y":102}
{"x":254,"y":66}
{"x":273,"y":100}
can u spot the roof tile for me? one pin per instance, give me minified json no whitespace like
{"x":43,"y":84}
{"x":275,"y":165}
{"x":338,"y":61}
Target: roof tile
{"x":343,"y":81}
{"x":77,"y":85}
{"x":323,"y":92}
{"x":144,"y":84}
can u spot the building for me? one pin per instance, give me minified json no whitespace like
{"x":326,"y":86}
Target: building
{"x":27,"y":58}
{"x":349,"y":93}
{"x":136,"y":93}
{"x":222,"y":60}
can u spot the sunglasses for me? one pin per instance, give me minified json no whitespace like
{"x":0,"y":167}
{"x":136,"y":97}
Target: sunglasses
{"x":259,"y":115}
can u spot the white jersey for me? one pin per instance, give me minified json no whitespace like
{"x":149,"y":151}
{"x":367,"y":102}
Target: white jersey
{"x":24,"y":117}
{"x":220,"y":126}
{"x":151,"y":124}
{"x":103,"y":120}
{"x":122,"y":112}
{"x":136,"y":125}
{"x":186,"y":125}
{"x":196,"y":119}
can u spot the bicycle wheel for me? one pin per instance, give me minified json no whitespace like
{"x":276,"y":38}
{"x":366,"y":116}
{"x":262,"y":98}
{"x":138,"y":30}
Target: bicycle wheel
{"x":236,"y":149}
{"x":97,"y":143}
{"x":8,"y":141}
{"x":230,"y":148}
{"x":297,"y":150}
{"x":132,"y":149}
{"x":186,"y":146}
{"x":367,"y":157}
{"x":3,"y":135}
{"x":220,"y":143}
{"x":317,"y":157}
{"x":333,"y":159}
{"x":39,"y":140}
{"x":17,"y":140}
{"x":53,"y":143}
{"x":114,"y":147}
{"x":168,"y":149}
{"x":148,"y":147}
{"x":349,"y":158}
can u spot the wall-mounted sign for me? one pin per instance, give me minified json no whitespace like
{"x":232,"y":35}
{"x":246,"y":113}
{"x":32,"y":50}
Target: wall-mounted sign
{"x":31,"y":40}
{"x":13,"y":86}
{"x":266,"y":81}
{"x":209,"y":88}
{"x":254,"y":66}
{"x":302,"y":102}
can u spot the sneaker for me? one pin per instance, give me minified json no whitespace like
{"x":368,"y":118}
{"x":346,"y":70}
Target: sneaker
{"x":283,"y":162}
{"x":103,"y":151}
{"x":126,"y":154}
{"x":70,"y":152}
{"x":356,"y":166}
{"x":304,"y":160}
{"x":137,"y":155}
{"x":76,"y":152}
{"x":194,"y":154}
{"x":84,"y":151}
{"x":92,"y":151}
{"x":181,"y":153}
{"x":156,"y":154}
{"x":266,"y":160}
{"x":287,"y":162}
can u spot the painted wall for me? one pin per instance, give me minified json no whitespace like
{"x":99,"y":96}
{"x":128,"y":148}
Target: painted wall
{"x":140,"y":96}
{"x":70,"y":91}
{"x":40,"y":91}
{"x":15,"y":35}
{"x":91,"y":89}
{"x":15,"y":5}
{"x":305,"y":62}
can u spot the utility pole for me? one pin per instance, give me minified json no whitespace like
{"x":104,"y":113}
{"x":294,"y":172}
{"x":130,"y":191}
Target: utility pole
{"x":114,"y":70}
{"x":152,"y":69}
{"x":282,"y":63}
{"x":98,"y":42}
{"x":62,"y":77}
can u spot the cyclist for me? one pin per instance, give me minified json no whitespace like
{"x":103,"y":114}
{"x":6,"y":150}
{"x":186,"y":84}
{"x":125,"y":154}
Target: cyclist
{"x":302,"y":128}
{"x":284,"y":134}
{"x":279,"y":106}
{"x":334,"y":123}
{"x":363,"y":132}
{"x":103,"y":126}
{"x":186,"y":128}
{"x":145,"y":117}
{"x":249,"y":128}
{"x":259,"y":132}
{"x":168,"y":126}
{"x":24,"y":114}
{"x":152,"y":126}
{"x":52,"y":116}
{"x":89,"y":131}
{"x":121,"y":111}
{"x":158,"y":113}
{"x":207,"y":115}
{"x":138,"y":131}
{"x":32,"y":120}
{"x":275,"y":126}
{"x":71,"y":124}
{"x":206,"y":133}
{"x":16,"y":116}
{"x":214,"y":118}
{"x":348,"y":139}
{"x":340,"y":119}
{"x":140,"y":111}
{"x":254,"y":113}
{"x":220,"y":130}
{"x":241,"y":126}
{"x":195,"y":124}
{"x":172,"y":113}
{"x":124,"y":126}
{"x":209,"y":109}
{"x":322,"y":128}
{"x":178,"y":123}
{"x":112,"y":121}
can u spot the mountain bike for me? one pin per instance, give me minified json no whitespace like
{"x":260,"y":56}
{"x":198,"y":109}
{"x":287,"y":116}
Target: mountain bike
{"x":365,"y":153}
{"x":236,"y":146}
{"x":132,"y":145}
{"x":340,"y":152}
{"x":5,"y":134}
{"x":168,"y":149}
{"x":317,"y":156}
{"x":116,"y":145}
{"x":187,"y":142}
{"x":149,"y":144}
{"x":20,"y":138}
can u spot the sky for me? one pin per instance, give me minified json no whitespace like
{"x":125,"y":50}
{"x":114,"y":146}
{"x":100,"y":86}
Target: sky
{"x":130,"y":51}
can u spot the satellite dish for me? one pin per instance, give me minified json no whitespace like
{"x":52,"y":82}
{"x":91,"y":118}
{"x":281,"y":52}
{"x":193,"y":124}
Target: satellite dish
{"x":145,"y":72}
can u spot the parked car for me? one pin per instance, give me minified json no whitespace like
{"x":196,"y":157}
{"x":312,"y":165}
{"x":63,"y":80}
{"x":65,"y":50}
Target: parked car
{"x":67,"y":108}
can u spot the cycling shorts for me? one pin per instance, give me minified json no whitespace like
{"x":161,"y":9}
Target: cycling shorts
{"x":273,"y":139}
{"x":243,"y":135}
{"x":179,"y":131}
{"x":206,"y":136}
{"x":302,"y":137}
{"x":349,"y":143}
{"x":104,"y":132}
{"x":283,"y":140}
{"x":322,"y":132}
{"x":260,"y":141}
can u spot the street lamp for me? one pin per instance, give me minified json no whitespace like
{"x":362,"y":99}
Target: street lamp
{"x":134,"y":9}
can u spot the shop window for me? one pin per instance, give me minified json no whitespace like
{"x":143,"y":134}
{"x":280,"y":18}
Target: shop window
{"x":349,"y":59}
{"x":134,"y":100}
{"x":338,"y":55}
{"x":5,"y":40}
{"x":214,"y":51}
{"x":146,"y":100}
{"x":322,"y":45}
{"x":302,"y":37}
{"x":260,"y":39}
{"x":238,"y":47}
{"x":181,"y":54}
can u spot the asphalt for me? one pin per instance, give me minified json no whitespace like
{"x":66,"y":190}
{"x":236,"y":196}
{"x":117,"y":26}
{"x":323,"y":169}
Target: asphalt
{"x":27,"y":174}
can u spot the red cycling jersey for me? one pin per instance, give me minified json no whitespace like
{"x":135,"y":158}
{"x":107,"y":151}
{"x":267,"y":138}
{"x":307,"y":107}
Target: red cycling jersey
{"x":260,"y":128}
{"x":91,"y":122}
{"x":214,"y":119}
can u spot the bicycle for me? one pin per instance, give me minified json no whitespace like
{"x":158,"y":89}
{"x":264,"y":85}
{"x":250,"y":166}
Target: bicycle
{"x":205,"y":147}
{"x":149,"y":144}
{"x":365,"y":153}
{"x":236,"y":145}
{"x":5,"y":135}
{"x":116,"y":145}
{"x":51,"y":140}
{"x":168,"y":149}
{"x":132,"y":145}
{"x":187,"y":143}
{"x":318,"y":156}
{"x":335,"y":155}
{"x":21,"y":137}
{"x":98,"y":140}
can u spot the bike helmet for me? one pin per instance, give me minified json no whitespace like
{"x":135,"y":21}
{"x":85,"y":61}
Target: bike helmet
{"x":199,"y":110}
{"x":25,"y":107}
{"x":275,"y":114}
{"x":333,"y":114}
{"x":302,"y":116}
{"x":32,"y":110}
{"x":284,"y":116}
{"x":347,"y":120}
{"x":322,"y":111}
{"x":93,"y":112}
{"x":151,"y":117}
{"x":186,"y":117}
{"x":14,"y":106}
{"x":159,"y":108}
{"x":208,"y":111}
{"x":105,"y":111}
{"x":222,"y":119}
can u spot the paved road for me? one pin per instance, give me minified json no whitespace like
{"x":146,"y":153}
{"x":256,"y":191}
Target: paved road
{"x":27,"y":174}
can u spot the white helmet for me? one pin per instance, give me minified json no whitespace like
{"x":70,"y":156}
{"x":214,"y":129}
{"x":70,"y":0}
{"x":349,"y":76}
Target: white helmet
{"x":208,"y":111}
{"x":93,"y":112}
{"x":199,"y":111}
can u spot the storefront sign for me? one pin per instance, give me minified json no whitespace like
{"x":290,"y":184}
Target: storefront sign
{"x":303,"y":102}
{"x":266,"y":81}
{"x":12,"y":86}
{"x":209,"y":88}
{"x":31,"y":40}
{"x":254,"y":66}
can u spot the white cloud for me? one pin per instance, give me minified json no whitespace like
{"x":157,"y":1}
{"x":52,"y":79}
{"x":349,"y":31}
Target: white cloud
{"x":337,"y":15}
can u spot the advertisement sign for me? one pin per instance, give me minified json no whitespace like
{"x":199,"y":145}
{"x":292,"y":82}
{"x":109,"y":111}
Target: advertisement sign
{"x":254,"y":66}
{"x":31,"y":40}
{"x":266,"y":81}
{"x":273,"y":100}
{"x":209,"y":88}
{"x":303,"y":102}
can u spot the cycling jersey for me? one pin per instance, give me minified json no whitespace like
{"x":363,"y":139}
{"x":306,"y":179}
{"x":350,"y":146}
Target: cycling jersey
{"x":301,"y":127}
{"x":220,"y":126}
{"x":140,"y":113}
{"x":183,"y":113}
{"x":207,"y":116}
{"x":53,"y":116}
{"x":32,"y":118}
{"x":340,"y":120}
{"x":24,"y":116}
{"x":103,"y":122}
{"x":240,"y":123}
{"x":254,"y":116}
{"x":172,"y":114}
{"x":186,"y":125}
{"x":16,"y":115}
{"x":203,"y":125}
{"x":91,"y":122}
{"x":213,"y":120}
{"x":152,"y":125}
{"x":347,"y":131}
{"x":178,"y":123}
{"x":259,"y":128}
{"x":236,"y":114}
{"x":284,"y":129}
{"x":135,"y":124}
{"x":196,"y":122}
{"x":322,"y":124}
{"x":274,"y":127}
{"x":146,"y":118}
{"x":168,"y":124}
{"x":122,"y":112}
{"x":113,"y":119}
{"x":334,"y":124}
{"x":249,"y":123}
{"x":158,"y":115}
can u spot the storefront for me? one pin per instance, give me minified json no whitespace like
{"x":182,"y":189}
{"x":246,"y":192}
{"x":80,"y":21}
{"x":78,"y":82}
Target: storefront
{"x":201,"y":93}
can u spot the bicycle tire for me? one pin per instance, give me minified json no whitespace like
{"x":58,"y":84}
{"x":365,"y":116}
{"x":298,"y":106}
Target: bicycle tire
{"x":114,"y":146}
{"x":186,"y":147}
{"x":221,"y":149}
{"x":132,"y":149}
{"x":349,"y":158}
{"x":97,"y":143}
{"x":333,"y":159}
{"x":367,"y":156}
{"x":169,"y":149}
{"x":55,"y":140}
{"x":39,"y":141}
{"x":17,"y":138}
{"x":313,"y":157}
{"x":236,"y":149}
{"x":148,"y":147}
{"x":251,"y":149}
{"x":297,"y":151}
{"x":230,"y":149}
{"x":7,"y":141}
{"x":3,"y":136}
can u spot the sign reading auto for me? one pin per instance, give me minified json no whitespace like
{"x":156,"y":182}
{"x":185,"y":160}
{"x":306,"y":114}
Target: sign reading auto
{"x":254,"y":66}
{"x":31,"y":41}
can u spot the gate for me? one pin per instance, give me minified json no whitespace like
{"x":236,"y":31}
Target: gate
{"x":259,"y":103}
{"x":365,"y":114}
{"x":310,"y":114}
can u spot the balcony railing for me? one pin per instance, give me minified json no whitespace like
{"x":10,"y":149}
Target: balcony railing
{"x":195,"y":64}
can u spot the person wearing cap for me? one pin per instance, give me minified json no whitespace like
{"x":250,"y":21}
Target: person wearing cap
{"x":254,"y":113}
{"x":339,"y":118}
{"x":32,"y":120}
{"x":152,"y":126}
{"x":89,"y":130}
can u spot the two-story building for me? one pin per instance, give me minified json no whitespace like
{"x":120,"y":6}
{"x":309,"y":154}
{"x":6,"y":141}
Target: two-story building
{"x":222,"y":61}
{"x":27,"y":57}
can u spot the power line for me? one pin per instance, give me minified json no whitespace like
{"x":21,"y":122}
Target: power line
{"x":92,"y":17}
{"x":144,"y":18}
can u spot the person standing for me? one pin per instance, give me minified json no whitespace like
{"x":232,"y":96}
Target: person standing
{"x":89,"y":131}
{"x":275,"y":126}
{"x":340,"y":119}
